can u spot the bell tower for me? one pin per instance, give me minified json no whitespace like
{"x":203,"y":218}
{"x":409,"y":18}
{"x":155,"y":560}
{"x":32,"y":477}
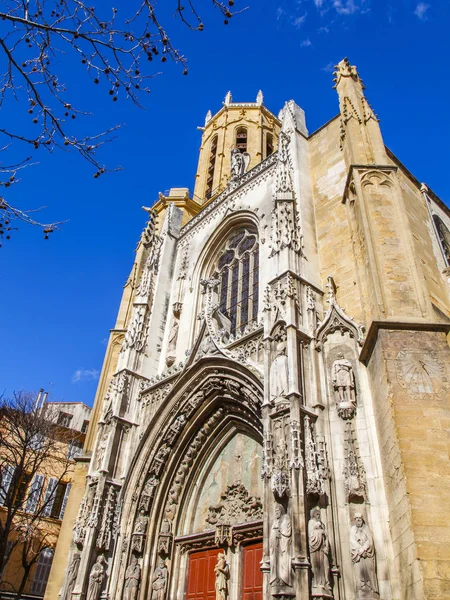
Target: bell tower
{"x":248,"y":126}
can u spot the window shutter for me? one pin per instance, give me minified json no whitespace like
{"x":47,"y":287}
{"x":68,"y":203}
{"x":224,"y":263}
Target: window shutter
{"x":6,"y":479}
{"x":34,"y":494}
{"x":42,"y":572}
{"x":64,"y":502}
{"x":49,"y":496}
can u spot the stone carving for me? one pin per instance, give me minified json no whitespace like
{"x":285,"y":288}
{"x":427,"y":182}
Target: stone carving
{"x":280,"y":548}
{"x":148,"y":493}
{"x":296,"y":452}
{"x":224,"y":535}
{"x":85,"y":513}
{"x":96,"y":578}
{"x":283,"y":178}
{"x":101,"y":450}
{"x":235,"y":506}
{"x":71,"y":577}
{"x":354,"y":474}
{"x":319,"y":549}
{"x":279,"y":371}
{"x":173,"y":335}
{"x":280,"y":482}
{"x":141,"y":523}
{"x":314,"y":461}
{"x":362,"y":551}
{"x":222,"y":574}
{"x":132,"y":579}
{"x":239,"y":163}
{"x":335,"y":319}
{"x":159,"y":582}
{"x":106,"y":528}
{"x":136,"y":334}
{"x":343,"y":381}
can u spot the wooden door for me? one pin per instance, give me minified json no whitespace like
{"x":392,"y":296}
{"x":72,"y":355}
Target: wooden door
{"x":201,"y":578}
{"x":252,"y":580}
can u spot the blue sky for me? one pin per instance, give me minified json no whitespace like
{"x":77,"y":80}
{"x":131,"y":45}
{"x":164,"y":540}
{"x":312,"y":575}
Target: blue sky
{"x":59,"y":297}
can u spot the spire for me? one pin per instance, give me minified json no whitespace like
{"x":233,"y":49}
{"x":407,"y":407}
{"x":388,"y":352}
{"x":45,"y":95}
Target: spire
{"x":259,"y":98}
{"x":360,"y":137}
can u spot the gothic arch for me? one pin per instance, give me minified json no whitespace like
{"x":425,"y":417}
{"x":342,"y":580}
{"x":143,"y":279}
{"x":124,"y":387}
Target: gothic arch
{"x":211,"y":402}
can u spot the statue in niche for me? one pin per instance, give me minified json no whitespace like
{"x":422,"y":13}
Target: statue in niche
{"x":101,"y":450}
{"x":319,"y":549}
{"x":141,"y":523}
{"x":222,"y":573}
{"x":132,"y":579}
{"x":279,"y":374}
{"x":173,"y":335}
{"x":239,"y":163}
{"x":364,"y":562}
{"x":159,"y":582}
{"x":72,"y":573}
{"x":96,"y":578}
{"x":280,"y":548}
{"x":343,"y":381}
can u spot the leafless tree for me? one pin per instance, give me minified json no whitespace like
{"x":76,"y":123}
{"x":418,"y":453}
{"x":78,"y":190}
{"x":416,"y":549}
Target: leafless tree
{"x":114,"y":48}
{"x":34,"y":467}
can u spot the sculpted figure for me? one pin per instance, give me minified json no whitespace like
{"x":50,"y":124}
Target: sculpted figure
{"x":132,"y":579}
{"x":159,"y":581}
{"x":172,"y":342}
{"x":237,"y":163}
{"x":101,"y":450}
{"x":141,"y":523}
{"x":279,"y":382}
{"x":343,"y":381}
{"x":96,"y":578}
{"x":363,"y":557}
{"x":319,"y":549}
{"x":222,"y":572}
{"x":280,"y":548}
{"x":72,"y":573}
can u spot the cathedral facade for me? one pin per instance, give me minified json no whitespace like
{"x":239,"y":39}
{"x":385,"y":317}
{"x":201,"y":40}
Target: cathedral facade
{"x":273,"y":413}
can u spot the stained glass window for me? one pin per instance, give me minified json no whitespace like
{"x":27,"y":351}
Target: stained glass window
{"x":237,"y":270}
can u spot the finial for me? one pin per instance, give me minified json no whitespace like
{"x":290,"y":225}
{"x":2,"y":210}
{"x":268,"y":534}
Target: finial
{"x":345,"y":69}
{"x":259,"y":98}
{"x":228,"y":99}
{"x":208,"y":117}
{"x":331,"y":290}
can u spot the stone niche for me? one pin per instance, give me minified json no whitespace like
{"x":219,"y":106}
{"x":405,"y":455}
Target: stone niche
{"x":229,"y":488}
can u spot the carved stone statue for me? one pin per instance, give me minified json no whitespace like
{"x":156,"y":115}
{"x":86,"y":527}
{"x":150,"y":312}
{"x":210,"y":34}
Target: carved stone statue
{"x":141,"y":523}
{"x":132,"y":579}
{"x":96,"y":578}
{"x":279,"y":382}
{"x":222,"y":573}
{"x":343,"y":381}
{"x":72,"y":573}
{"x":101,"y":450}
{"x":319,"y":549}
{"x":364,"y":562}
{"x":280,"y":548}
{"x":239,"y":163}
{"x":159,"y":582}
{"x":172,"y":341}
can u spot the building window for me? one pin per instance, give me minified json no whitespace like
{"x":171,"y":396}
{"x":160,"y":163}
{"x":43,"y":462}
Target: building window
{"x":269,"y":144}
{"x":211,"y":168}
{"x":444,"y":238}
{"x":6,"y":476}
{"x":42,"y":572}
{"x":34,"y":493}
{"x":85,"y":426}
{"x":74,"y":449}
{"x":60,"y":500}
{"x":22,"y":490}
{"x":64,"y":419}
{"x":241,"y":139}
{"x":237,"y":269}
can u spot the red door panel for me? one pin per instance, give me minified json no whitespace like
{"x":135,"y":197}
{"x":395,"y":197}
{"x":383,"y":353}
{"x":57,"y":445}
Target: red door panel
{"x":201,"y":579}
{"x":252,"y":579}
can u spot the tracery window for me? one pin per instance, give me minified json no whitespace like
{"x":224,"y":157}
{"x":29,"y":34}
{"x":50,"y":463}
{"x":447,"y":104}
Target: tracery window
{"x":269,"y":144}
{"x":444,"y":237}
{"x":211,"y":168}
{"x":241,"y":139}
{"x":237,"y":269}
